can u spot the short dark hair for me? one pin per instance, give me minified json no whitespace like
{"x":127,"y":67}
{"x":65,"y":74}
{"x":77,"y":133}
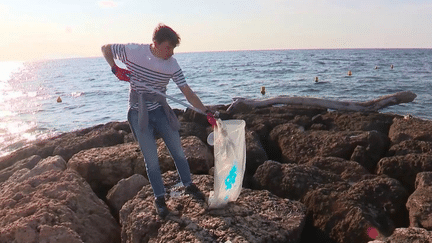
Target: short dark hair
{"x":164,"y":33}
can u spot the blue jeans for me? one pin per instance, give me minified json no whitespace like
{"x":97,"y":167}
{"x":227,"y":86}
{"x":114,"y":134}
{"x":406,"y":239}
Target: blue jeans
{"x":158,"y":121}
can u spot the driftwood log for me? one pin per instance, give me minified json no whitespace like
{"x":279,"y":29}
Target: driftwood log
{"x":373,"y":105}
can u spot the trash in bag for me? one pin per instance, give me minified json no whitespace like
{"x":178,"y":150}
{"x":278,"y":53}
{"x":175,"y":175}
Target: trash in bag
{"x":230,"y":161}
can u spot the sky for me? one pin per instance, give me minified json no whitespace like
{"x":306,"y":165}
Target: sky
{"x":46,"y":29}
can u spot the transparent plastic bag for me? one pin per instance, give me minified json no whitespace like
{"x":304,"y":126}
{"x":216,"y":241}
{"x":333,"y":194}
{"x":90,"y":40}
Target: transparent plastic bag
{"x":230,"y":162}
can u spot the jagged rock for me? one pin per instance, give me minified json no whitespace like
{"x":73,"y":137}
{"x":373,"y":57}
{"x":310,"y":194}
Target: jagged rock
{"x":371,"y":149}
{"x":420,"y":202}
{"x":24,"y":153}
{"x":197,"y":153}
{"x":423,"y":179}
{"x":343,"y":199}
{"x":103,"y":167}
{"x":192,"y":116}
{"x":255,"y":153}
{"x":188,"y":129}
{"x":298,"y":146}
{"x":86,"y":139}
{"x":405,"y":168}
{"x":67,"y":144}
{"x":332,"y":203}
{"x":262,"y":121}
{"x":51,"y":204}
{"x":349,"y":171}
{"x":125,"y":190}
{"x":383,"y":193}
{"x":410,"y":147}
{"x":28,"y":163}
{"x":358,"y":121}
{"x":411,"y":235}
{"x":257,"y":216}
{"x":290,"y":180}
{"x":346,"y":213}
{"x":410,"y":129}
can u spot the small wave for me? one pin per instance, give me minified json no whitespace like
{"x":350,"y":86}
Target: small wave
{"x":77,"y":94}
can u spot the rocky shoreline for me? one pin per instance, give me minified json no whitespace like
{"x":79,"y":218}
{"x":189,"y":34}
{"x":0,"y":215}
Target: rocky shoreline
{"x":312,"y":175}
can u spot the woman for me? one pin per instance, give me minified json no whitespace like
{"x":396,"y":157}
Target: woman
{"x":153,"y":65}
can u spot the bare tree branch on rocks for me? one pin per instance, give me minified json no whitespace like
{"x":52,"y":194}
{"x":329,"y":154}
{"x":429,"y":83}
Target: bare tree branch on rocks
{"x":372,"y":105}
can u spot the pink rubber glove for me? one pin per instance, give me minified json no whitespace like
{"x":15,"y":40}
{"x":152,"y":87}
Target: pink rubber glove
{"x":120,"y":73}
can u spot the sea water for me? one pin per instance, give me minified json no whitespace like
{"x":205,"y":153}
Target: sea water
{"x":92,"y":95}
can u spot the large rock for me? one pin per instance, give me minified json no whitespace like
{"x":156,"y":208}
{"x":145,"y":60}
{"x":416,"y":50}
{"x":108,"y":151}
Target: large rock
{"x":405,"y":235}
{"x":357,"y":121}
{"x":347,"y":213}
{"x":28,"y":163}
{"x":125,"y":190}
{"x":263,"y":120}
{"x":67,"y":144}
{"x":349,"y":171}
{"x":290,"y":180}
{"x":100,"y":136}
{"x":103,"y":167}
{"x":257,"y":216}
{"x":420,"y":202}
{"x":410,"y":129}
{"x":410,"y":147}
{"x":340,"y":203}
{"x":51,"y":204}
{"x":255,"y":153}
{"x":197,"y":153}
{"x":188,"y":129}
{"x":405,"y":167}
{"x":299,"y":146}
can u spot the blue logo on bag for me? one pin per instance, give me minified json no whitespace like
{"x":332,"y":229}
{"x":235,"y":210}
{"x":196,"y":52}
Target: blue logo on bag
{"x":230,"y":180}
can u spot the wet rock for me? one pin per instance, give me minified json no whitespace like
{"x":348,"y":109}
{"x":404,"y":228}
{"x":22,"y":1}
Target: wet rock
{"x":257,"y":216}
{"x":410,"y":129}
{"x":51,"y":204}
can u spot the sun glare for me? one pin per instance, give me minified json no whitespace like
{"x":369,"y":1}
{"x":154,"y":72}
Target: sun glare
{"x":7,"y":68}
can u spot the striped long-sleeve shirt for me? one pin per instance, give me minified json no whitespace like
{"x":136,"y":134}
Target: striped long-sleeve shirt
{"x":147,"y":69}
